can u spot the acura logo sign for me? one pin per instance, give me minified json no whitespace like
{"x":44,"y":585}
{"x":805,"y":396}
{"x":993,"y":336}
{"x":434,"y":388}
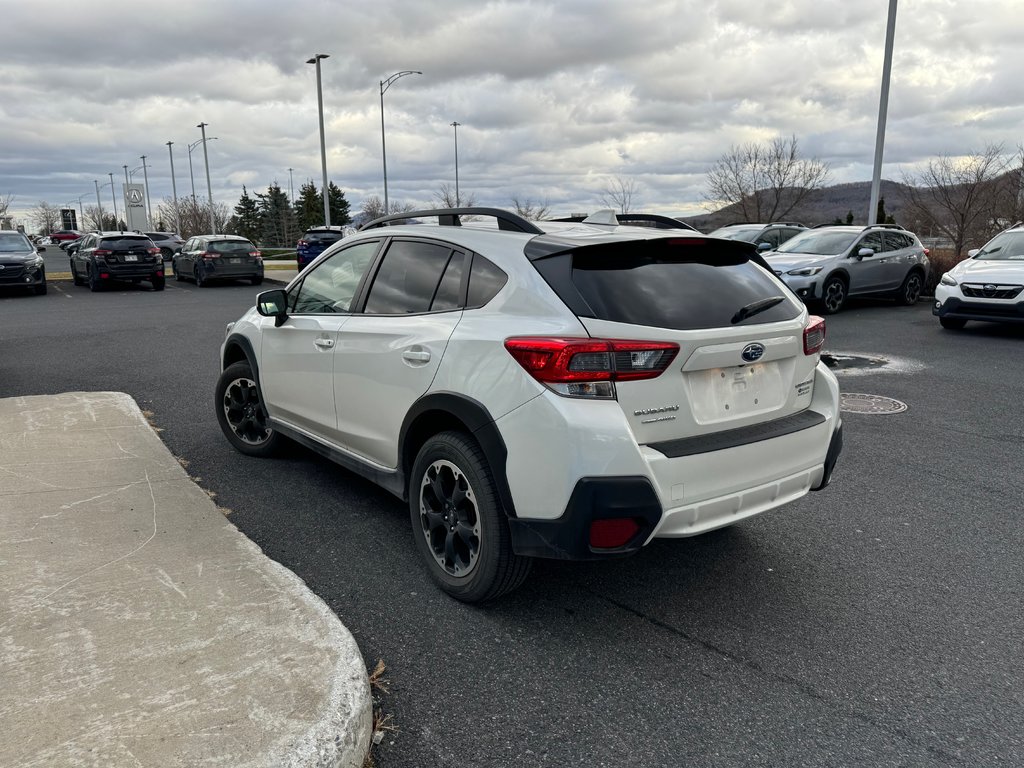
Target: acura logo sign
{"x":752,"y":352}
{"x":134,"y":197}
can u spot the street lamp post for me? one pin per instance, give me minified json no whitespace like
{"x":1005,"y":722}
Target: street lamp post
{"x":883,"y":106}
{"x":291,"y":187}
{"x":99,"y":206}
{"x":458,"y":200}
{"x":384,"y":85}
{"x":323,"y":146}
{"x":192,"y":179}
{"x":209,"y":189}
{"x":174,"y":190}
{"x":145,"y":181}
{"x":114,"y":198}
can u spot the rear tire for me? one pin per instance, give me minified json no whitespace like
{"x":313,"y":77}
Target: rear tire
{"x":257,"y":280}
{"x":241,"y":415}
{"x":952,"y":323}
{"x":197,"y":275}
{"x":159,"y":283}
{"x":910,"y":291}
{"x":458,"y":521}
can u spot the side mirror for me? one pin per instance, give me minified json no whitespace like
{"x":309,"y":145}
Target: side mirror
{"x":273,"y":304}
{"x":865,"y":252}
{"x":762,"y":247}
{"x":973,"y":252}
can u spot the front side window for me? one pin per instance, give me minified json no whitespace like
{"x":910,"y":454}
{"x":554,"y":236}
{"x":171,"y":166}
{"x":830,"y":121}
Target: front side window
{"x":408,"y":279}
{"x":872,"y":240}
{"x":332,"y":285}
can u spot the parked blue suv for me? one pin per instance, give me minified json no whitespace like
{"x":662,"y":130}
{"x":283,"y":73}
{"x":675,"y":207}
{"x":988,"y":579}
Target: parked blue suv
{"x":316,"y":240}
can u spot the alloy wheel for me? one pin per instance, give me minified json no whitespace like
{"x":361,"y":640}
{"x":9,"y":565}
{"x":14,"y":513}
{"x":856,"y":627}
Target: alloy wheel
{"x":912,"y":292}
{"x":835,"y":294}
{"x":449,"y":518}
{"x":244,"y":413}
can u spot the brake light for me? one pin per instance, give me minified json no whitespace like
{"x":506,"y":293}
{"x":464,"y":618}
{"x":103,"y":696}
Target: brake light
{"x":102,"y":252}
{"x":301,"y":242}
{"x":580,"y":367}
{"x":254,"y":254}
{"x":153,"y":250}
{"x":927,"y":251}
{"x":814,"y":335}
{"x":210,"y":255}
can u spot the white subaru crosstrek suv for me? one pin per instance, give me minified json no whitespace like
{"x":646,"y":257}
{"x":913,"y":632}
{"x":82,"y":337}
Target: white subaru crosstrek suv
{"x":571,"y":394}
{"x":988,"y":285}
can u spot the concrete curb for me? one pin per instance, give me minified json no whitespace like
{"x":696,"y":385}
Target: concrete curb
{"x":139,"y":626}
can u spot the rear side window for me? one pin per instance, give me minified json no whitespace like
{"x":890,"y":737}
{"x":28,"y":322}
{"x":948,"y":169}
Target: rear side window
{"x":654,"y":283}
{"x":485,"y":280}
{"x":408,"y":278}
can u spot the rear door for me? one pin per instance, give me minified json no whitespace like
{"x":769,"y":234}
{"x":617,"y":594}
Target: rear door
{"x":732,"y":370}
{"x":388,"y":354}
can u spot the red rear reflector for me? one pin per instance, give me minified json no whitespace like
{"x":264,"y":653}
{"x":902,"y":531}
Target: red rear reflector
{"x":613,"y":533}
{"x":814,"y":335}
{"x":104,"y":275}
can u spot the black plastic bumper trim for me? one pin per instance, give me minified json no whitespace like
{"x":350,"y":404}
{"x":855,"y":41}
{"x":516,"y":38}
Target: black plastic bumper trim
{"x":593,"y":498}
{"x":732,"y":438}
{"x":835,"y":447}
{"x":958,"y":309}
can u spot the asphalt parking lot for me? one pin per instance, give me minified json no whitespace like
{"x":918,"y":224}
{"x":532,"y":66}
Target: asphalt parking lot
{"x":878,"y":622}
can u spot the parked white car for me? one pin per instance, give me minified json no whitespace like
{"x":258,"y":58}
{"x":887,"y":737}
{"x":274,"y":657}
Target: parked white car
{"x":572,"y":394}
{"x":986,"y":286}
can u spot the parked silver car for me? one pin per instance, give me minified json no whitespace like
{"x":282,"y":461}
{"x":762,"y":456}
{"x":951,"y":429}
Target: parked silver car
{"x":826,"y":265}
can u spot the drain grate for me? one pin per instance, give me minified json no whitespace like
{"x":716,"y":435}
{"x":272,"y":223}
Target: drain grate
{"x":855,"y":402}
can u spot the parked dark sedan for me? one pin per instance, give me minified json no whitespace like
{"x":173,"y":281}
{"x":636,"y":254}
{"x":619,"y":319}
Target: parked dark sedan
{"x":20,"y":263}
{"x":218,"y":257}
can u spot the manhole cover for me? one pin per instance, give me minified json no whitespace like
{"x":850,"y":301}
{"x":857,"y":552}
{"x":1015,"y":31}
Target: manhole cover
{"x":855,"y":402}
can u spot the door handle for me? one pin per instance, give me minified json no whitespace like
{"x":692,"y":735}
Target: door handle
{"x":422,"y":356}
{"x":324,"y":343}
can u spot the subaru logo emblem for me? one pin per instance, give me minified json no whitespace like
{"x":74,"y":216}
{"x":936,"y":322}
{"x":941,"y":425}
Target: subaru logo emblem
{"x":989,"y":288}
{"x":752,"y":352}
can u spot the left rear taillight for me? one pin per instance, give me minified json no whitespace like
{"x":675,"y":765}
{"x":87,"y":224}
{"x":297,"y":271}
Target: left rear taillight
{"x":153,"y":251}
{"x":589,"y":368}
{"x":814,"y":335}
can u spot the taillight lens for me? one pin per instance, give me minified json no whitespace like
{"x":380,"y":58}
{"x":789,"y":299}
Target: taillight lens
{"x":576,"y":367}
{"x":814,"y":335}
{"x":102,"y":252}
{"x":254,"y":254}
{"x":301,"y":242}
{"x":210,"y":255}
{"x":153,"y":251}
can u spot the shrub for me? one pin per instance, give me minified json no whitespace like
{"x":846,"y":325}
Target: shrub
{"x":943,"y":260}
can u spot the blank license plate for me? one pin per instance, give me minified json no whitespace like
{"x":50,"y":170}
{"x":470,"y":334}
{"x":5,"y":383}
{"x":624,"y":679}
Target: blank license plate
{"x":718,"y":394}
{"x":235,"y":261}
{"x":131,"y":257}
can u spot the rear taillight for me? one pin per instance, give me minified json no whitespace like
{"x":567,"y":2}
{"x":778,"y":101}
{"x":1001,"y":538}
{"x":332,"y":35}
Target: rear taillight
{"x":102,"y":252}
{"x":254,"y":254}
{"x":210,"y":255}
{"x":927,"y":252}
{"x":576,"y":367}
{"x":814,"y":335}
{"x":301,"y":242}
{"x":153,"y":251}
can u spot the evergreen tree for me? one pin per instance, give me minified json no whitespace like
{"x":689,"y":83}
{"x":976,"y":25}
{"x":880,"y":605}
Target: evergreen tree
{"x":338,"y":204}
{"x":246,"y":221}
{"x":309,"y":208}
{"x":276,"y":217}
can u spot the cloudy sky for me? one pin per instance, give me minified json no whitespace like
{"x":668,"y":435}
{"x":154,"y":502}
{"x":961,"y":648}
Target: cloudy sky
{"x":554,"y":97}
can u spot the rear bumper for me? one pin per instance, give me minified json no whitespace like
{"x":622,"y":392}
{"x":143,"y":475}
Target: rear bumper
{"x":139,"y":271}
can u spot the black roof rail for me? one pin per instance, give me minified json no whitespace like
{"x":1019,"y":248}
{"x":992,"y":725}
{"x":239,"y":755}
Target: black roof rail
{"x":786,"y":224}
{"x":659,"y":222}
{"x":452,"y":217}
{"x":885,"y":226}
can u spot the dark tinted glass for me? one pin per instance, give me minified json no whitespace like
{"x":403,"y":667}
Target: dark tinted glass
{"x":408,"y":278}
{"x":679,"y":287}
{"x":322,"y":238}
{"x":485,"y":280}
{"x":872,"y":240}
{"x":230,"y":246}
{"x":125,"y":243}
{"x":449,"y":292}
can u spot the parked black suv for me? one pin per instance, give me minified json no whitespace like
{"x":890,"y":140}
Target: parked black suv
{"x":20,"y":263}
{"x":103,"y":257}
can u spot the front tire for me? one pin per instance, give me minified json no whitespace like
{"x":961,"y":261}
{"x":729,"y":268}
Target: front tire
{"x":177,"y":272}
{"x":458,"y":522}
{"x":74,"y":275}
{"x":95,"y":283}
{"x":952,"y":323}
{"x":40,"y":289}
{"x":241,"y":414}
{"x":833,"y":295}
{"x":910,"y":290}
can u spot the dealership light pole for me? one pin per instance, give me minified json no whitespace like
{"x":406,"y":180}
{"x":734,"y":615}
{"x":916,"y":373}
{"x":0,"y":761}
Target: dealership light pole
{"x":113,"y":197}
{"x":209,"y":189}
{"x":145,"y":181}
{"x":174,"y":190}
{"x":455,"y":125}
{"x":291,"y":187}
{"x":323,"y":146}
{"x":883,"y":107}
{"x":384,"y":85}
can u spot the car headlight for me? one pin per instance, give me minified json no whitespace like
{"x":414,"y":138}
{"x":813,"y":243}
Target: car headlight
{"x":947,"y":279}
{"x":804,"y":271}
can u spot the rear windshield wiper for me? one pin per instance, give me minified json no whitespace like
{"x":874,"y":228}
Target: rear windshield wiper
{"x":755,"y":307}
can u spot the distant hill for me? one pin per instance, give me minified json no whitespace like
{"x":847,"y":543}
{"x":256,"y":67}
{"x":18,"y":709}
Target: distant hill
{"x":822,"y":206}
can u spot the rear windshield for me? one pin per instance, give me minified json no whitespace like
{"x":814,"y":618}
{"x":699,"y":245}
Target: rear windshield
{"x":323,"y":238}
{"x":230,"y":246}
{"x":125,"y":243}
{"x":654,"y":283}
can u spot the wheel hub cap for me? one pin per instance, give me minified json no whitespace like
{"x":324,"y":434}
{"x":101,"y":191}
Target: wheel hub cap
{"x":243,"y":412}
{"x":449,"y":518}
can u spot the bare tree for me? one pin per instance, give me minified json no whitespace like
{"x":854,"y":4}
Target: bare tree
{"x":373,"y":207}
{"x":619,"y":192}
{"x":767,"y":181}
{"x":445,"y":197}
{"x":192,"y":216}
{"x":528,"y":209}
{"x":5,"y":204}
{"x":963,"y":198}
{"x":45,"y":216}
